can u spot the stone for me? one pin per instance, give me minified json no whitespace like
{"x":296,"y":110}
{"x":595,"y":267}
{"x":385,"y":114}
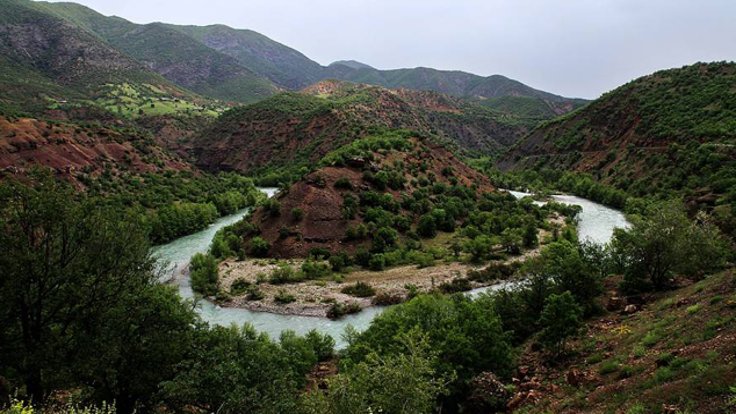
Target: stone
{"x":630,"y":309}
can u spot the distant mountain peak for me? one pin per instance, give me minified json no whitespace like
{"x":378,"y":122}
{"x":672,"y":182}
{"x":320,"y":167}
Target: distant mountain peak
{"x":353,"y":64}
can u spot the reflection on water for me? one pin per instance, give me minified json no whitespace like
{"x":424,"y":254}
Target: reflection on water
{"x":596,"y":223}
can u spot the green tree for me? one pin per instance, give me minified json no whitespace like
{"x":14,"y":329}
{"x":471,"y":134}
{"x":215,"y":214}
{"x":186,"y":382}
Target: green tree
{"x":664,"y":242}
{"x":404,"y":383}
{"x":561,"y":318}
{"x":79,"y":300}
{"x":203,"y":273}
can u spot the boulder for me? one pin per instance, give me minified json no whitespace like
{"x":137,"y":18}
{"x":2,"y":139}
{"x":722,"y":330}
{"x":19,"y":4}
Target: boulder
{"x":631,"y":309}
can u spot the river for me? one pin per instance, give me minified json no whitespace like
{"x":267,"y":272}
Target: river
{"x":596,"y":223}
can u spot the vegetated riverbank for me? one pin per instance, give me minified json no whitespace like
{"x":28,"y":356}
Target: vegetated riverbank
{"x":249,"y":284}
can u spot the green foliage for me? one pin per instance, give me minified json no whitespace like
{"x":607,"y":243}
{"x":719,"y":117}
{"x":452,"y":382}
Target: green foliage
{"x":561,"y":318}
{"x":259,"y":247}
{"x":314,"y":270}
{"x":219,"y":372}
{"x":282,"y":297}
{"x":105,"y":305}
{"x":359,"y":289}
{"x":407,"y":382}
{"x":204,"y":274}
{"x":663,"y":242}
{"x":338,"y":310}
{"x":467,"y":333}
{"x":284,"y":273}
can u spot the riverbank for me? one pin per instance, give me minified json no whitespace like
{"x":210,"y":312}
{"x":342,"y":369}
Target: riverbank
{"x":318,"y":297}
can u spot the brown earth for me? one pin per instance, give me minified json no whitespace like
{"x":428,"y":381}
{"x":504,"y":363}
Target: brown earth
{"x":70,"y":150}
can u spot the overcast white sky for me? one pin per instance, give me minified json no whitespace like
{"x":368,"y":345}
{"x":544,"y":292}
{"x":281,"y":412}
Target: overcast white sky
{"x":578,"y":48}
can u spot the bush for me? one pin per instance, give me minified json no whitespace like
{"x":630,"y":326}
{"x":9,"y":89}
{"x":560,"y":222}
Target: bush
{"x":343,"y":183}
{"x":259,"y":247}
{"x":459,"y":284}
{"x":272,"y":207}
{"x":204,"y":274}
{"x":359,"y":290}
{"x":297,"y":214}
{"x":338,"y":310}
{"x":239,"y":286}
{"x":377,"y":262}
{"x":427,"y":228}
{"x":282,"y":297}
{"x":254,"y":293}
{"x":285,"y":274}
{"x":561,"y":318}
{"x":313,"y":270}
{"x":387,"y":299}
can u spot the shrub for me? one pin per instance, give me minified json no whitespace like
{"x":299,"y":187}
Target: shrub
{"x":239,"y":286}
{"x":285,"y":274}
{"x":272,"y":206}
{"x":560,"y":319}
{"x":359,"y":289}
{"x":259,"y":247}
{"x":339,"y":261}
{"x":377,"y":262}
{"x":254,"y":293}
{"x":343,"y":183}
{"x":297,"y":214}
{"x":427,"y":228}
{"x":313,"y":270}
{"x":387,"y":299}
{"x":608,"y":367}
{"x":282,"y":297}
{"x":204,"y":274}
{"x":460,"y":284}
{"x":338,"y":310}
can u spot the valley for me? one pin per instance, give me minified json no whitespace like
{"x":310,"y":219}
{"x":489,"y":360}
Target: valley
{"x":200,"y":219}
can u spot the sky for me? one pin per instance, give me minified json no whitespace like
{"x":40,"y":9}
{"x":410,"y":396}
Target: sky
{"x":576,"y":48}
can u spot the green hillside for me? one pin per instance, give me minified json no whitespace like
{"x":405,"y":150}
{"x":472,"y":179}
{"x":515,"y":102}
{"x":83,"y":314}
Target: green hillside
{"x":666,"y":134}
{"x":176,"y":56}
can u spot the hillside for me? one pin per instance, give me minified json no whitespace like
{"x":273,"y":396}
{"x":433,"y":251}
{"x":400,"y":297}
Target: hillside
{"x":50,"y":64}
{"x":359,"y":168}
{"x":283,"y":65}
{"x":675,"y":355}
{"x":172,"y":54}
{"x":455,"y":83}
{"x":672,"y":132}
{"x":214,"y":61}
{"x":291,"y":130}
{"x":79,"y":152}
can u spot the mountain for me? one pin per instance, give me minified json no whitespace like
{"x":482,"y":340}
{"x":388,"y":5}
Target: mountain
{"x":672,"y":132}
{"x":352,"y":64}
{"x":292,"y":130}
{"x":351,"y":172}
{"x":49,"y":64}
{"x":455,"y":83}
{"x":283,"y":65}
{"x":215,"y":61}
{"x":171,"y":53}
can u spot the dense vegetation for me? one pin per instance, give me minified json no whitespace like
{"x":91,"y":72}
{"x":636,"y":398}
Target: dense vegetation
{"x":405,"y":199}
{"x":82,"y":310}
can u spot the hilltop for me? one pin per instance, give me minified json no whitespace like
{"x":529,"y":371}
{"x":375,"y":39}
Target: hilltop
{"x":349,"y":172}
{"x":291,"y":130}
